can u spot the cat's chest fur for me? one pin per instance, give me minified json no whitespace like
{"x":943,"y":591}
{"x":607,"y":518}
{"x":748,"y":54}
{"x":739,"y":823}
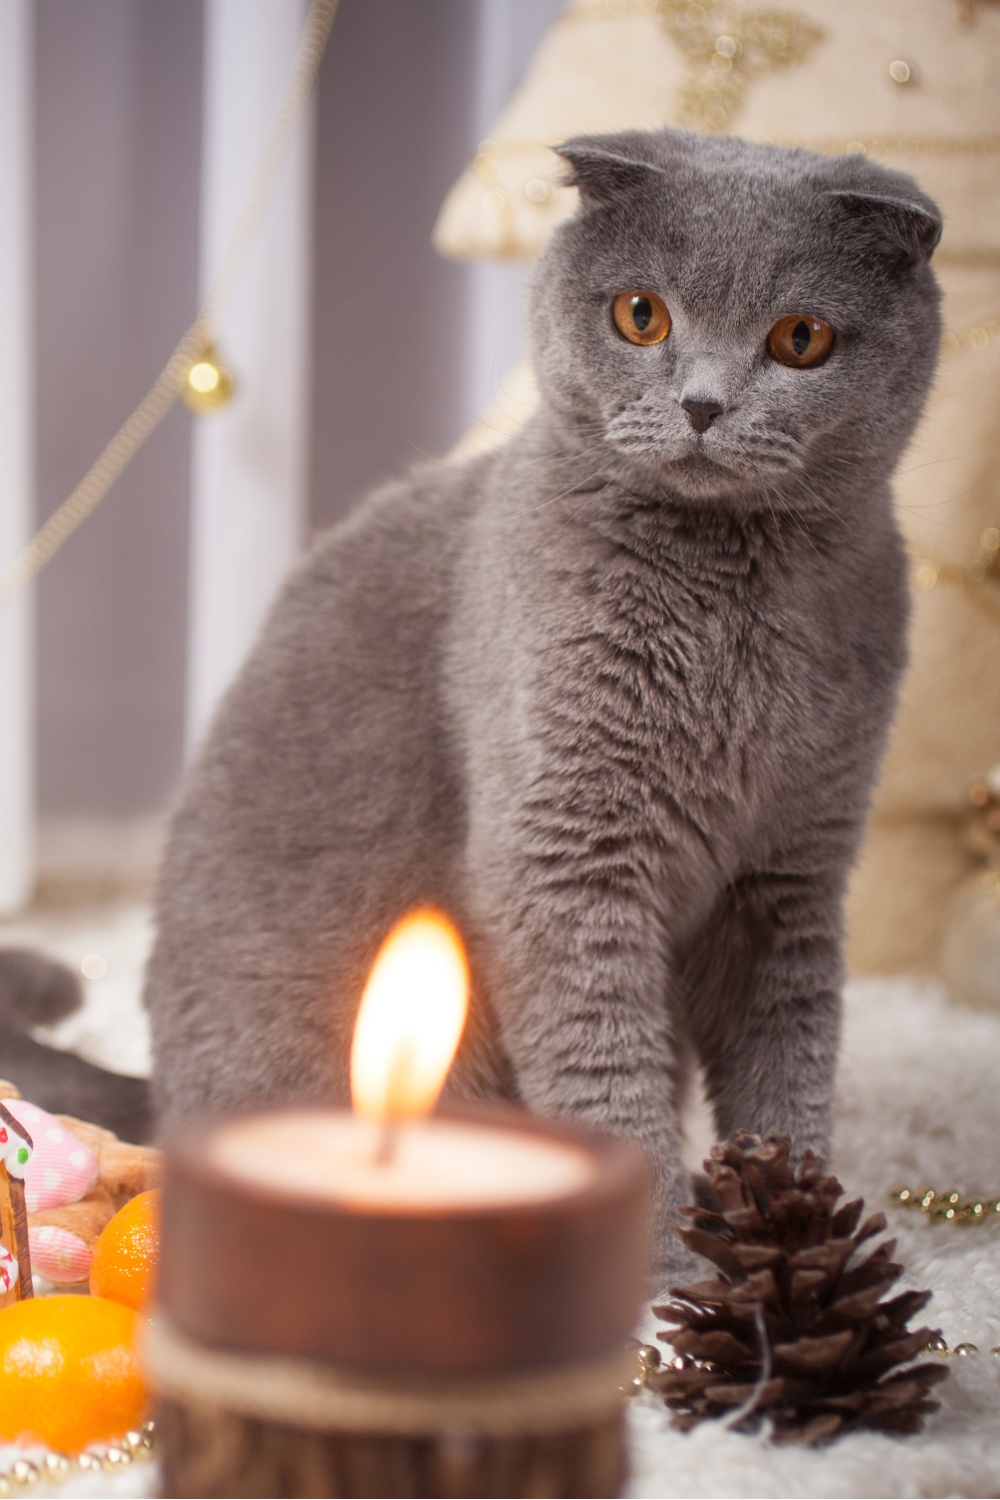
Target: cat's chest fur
{"x":669,"y":680}
{"x":701,"y":639}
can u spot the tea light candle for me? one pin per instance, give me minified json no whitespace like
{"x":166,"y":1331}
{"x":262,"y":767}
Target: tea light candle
{"x":476,"y":1271}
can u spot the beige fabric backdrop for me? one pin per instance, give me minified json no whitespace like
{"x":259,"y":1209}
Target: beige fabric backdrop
{"x":821,"y":74}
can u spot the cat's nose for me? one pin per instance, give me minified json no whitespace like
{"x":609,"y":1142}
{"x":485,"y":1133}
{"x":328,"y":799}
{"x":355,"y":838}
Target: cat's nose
{"x":701,"y":414}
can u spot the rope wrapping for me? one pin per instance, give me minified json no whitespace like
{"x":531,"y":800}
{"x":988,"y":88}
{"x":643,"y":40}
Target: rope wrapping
{"x":305,"y":1393}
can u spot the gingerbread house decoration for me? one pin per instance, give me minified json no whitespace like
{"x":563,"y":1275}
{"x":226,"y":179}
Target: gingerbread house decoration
{"x":15,"y":1258}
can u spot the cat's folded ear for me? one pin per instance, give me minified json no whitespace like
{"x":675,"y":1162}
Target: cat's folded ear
{"x":601,"y":173}
{"x":912,"y":228}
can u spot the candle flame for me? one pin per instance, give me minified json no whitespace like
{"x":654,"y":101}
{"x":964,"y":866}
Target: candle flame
{"x":412,"y":1013}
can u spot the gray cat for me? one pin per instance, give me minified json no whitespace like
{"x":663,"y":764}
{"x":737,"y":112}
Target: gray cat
{"x":613,"y":695}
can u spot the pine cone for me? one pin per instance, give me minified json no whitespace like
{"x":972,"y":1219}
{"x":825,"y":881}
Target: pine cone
{"x":793,"y":1304}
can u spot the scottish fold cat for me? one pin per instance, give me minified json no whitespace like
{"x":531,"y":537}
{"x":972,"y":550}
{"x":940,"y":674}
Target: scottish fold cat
{"x":613,"y":695}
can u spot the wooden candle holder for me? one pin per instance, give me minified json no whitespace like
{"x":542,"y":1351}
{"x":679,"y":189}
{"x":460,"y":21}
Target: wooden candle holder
{"x":304,"y":1347}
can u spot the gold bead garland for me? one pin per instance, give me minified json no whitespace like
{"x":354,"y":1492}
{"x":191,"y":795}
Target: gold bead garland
{"x":647,"y":1361}
{"x":977,"y":337}
{"x":56,"y":1468}
{"x":929,"y":571}
{"x":948,"y":1207}
{"x":939,"y":1345}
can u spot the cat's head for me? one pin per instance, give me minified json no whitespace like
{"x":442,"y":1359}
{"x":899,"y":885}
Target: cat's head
{"x":723,"y":319}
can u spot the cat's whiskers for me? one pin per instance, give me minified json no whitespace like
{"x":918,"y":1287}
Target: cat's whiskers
{"x":951,"y":458}
{"x":813,"y":498}
{"x":777,"y":526}
{"x":793,"y":516}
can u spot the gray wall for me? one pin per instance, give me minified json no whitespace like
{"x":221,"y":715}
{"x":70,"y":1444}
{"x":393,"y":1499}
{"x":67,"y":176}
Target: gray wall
{"x":396,"y":124}
{"x":407,"y":89}
{"x":402,"y":362}
{"x":118,"y":109}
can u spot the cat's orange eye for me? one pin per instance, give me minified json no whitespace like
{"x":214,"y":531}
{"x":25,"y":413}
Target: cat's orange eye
{"x":800,"y":341}
{"x":641,"y":317}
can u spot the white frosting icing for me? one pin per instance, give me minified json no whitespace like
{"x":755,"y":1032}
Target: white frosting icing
{"x":15,"y":1146}
{"x":8,"y":1270}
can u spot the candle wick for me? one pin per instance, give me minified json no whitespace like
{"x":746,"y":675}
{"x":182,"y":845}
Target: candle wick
{"x":395,"y":1092}
{"x":388,"y":1139}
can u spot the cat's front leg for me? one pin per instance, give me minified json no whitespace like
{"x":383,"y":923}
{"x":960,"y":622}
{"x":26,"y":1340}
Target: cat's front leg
{"x":763,"y":996}
{"x":584,"y":1023}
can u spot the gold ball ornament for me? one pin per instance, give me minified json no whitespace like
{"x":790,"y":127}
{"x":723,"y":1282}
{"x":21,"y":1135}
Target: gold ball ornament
{"x":648,"y":1360}
{"x":208,"y":384}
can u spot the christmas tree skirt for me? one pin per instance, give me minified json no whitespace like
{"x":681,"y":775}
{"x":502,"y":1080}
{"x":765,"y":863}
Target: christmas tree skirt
{"x":918,"y":1103}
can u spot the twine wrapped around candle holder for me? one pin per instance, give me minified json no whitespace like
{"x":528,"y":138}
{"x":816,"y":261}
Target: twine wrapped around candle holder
{"x":286,"y":1424}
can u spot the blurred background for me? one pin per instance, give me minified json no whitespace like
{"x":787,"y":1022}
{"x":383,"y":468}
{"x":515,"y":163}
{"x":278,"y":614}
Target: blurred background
{"x":385,"y":351}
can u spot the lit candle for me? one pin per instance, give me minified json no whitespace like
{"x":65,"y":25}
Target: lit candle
{"x":387,"y":1154}
{"x":428,"y":1272}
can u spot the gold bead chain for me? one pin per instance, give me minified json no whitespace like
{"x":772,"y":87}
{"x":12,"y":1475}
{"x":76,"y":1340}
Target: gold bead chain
{"x":197,"y":344}
{"x":972,"y":339}
{"x":649,"y":1361}
{"x":949,"y":1207}
{"x":929,"y":571}
{"x":56,"y":1468}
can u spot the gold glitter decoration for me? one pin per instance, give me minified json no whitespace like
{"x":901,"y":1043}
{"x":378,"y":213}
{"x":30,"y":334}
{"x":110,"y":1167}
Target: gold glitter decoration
{"x":727,"y":48}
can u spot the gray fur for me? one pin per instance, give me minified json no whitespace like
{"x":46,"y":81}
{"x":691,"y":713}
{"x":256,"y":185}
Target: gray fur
{"x":613,"y":695}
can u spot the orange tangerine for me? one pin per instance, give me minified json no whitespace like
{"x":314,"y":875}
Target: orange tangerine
{"x":68,"y":1371}
{"x":123,"y":1266}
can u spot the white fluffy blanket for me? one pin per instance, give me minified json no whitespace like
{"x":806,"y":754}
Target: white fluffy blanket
{"x":918,"y":1103}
